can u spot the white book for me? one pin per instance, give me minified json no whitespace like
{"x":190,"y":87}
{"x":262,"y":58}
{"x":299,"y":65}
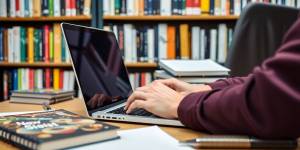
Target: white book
{"x":297,"y":3}
{"x":87,"y":7}
{"x":244,"y":3}
{"x":213,"y":44}
{"x":222,"y":43}
{"x":223,"y":7}
{"x":217,"y":8}
{"x":30,"y":6}
{"x":161,"y":74}
{"x":66,"y":80}
{"x":128,"y":42}
{"x":195,"y":42}
{"x":39,"y":78}
{"x":133,"y":46}
{"x":3,"y":9}
{"x":203,"y":40}
{"x":197,"y":10}
{"x":11,"y":46}
{"x":56,"y":8}
{"x":72,"y":80}
{"x":25,"y":79}
{"x":106,"y":7}
{"x":22,"y":8}
{"x":130,"y":7}
{"x":115,"y":30}
{"x":166,"y":7}
{"x":17,"y":44}
{"x":150,"y":41}
{"x":12,"y":10}
{"x":111,"y":7}
{"x":162,"y":41}
{"x":193,"y":68}
{"x":131,"y":79}
{"x":237,"y":7}
{"x":148,"y":78}
{"x":273,"y":1}
{"x":136,"y":7}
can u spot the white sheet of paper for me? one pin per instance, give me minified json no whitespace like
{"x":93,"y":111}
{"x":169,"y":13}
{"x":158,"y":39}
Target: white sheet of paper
{"x":17,"y":113}
{"x":148,"y":138}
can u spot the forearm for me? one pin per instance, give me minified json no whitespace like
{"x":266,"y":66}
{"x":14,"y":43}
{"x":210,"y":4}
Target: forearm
{"x":222,"y":83}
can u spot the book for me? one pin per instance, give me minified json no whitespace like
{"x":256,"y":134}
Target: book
{"x":193,"y":68}
{"x":43,"y":93}
{"x":39,"y":101}
{"x":161,"y":74}
{"x":53,"y":130}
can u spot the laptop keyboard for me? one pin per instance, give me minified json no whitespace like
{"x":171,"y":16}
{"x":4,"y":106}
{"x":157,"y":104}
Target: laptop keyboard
{"x":136,"y":112}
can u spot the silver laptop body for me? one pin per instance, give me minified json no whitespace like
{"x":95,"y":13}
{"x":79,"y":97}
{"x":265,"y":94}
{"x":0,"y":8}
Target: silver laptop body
{"x":101,"y":74}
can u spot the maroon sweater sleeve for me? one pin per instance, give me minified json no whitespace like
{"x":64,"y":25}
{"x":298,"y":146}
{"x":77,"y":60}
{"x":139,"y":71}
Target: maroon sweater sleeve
{"x":265,"y":104}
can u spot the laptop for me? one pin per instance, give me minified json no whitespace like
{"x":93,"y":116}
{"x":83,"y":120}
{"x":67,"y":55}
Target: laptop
{"x":102,"y":76}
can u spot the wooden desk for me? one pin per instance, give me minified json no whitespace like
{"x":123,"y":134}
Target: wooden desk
{"x":76,"y":106}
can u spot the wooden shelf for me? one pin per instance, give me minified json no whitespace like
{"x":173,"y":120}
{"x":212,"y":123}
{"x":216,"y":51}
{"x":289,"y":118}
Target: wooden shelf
{"x":43,"y":19}
{"x":170,"y":18}
{"x":68,"y":65}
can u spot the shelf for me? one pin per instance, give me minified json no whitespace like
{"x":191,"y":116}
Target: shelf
{"x":68,"y":65}
{"x":170,"y":18}
{"x":43,"y":19}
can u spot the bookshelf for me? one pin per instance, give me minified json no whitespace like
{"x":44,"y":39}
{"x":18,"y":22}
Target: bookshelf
{"x":171,"y":18}
{"x":45,"y":19}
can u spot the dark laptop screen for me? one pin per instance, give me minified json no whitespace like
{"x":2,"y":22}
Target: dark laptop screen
{"x":99,"y":66}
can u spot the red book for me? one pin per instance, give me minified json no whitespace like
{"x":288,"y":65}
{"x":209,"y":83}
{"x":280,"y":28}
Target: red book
{"x":73,"y":7}
{"x":48,"y":78}
{"x":17,"y":7}
{"x":189,"y":7}
{"x":46,"y":44}
{"x":196,"y":7}
{"x":61,"y":79}
{"x":143,"y":79}
{"x":68,"y":7}
{"x":31,"y":79}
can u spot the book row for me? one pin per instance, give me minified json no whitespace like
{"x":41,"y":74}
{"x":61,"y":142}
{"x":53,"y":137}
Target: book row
{"x":28,"y":79}
{"x":37,"y":8}
{"x":139,"y":79}
{"x":182,"y":7}
{"x":165,"y":41}
{"x":33,"y":44}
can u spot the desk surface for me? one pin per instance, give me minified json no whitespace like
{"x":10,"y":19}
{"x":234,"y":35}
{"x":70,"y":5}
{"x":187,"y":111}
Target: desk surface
{"x":76,"y":106}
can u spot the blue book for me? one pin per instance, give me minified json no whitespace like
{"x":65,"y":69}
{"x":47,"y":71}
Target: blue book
{"x":15,"y":79}
{"x":26,"y":3}
{"x":1,"y":44}
{"x":212,"y":7}
{"x":150,"y":7}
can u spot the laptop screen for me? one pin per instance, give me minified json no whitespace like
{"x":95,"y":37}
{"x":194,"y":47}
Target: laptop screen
{"x":99,"y":66}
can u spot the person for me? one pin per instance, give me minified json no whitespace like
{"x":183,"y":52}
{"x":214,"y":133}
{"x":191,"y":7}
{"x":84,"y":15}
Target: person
{"x":265,"y":104}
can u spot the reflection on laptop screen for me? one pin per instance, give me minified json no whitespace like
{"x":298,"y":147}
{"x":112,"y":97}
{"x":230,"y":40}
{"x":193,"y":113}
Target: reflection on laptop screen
{"x":99,"y":66}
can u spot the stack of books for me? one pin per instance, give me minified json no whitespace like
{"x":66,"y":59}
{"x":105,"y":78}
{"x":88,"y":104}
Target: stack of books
{"x":41,"y":96}
{"x":192,"y":71}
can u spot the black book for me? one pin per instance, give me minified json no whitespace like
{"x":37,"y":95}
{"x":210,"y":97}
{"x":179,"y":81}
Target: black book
{"x":57,"y":129}
{"x":146,"y":12}
{"x":78,"y":7}
{"x":62,"y":8}
{"x":45,"y":8}
{"x":231,"y":7}
{"x":150,"y":7}
{"x":212,"y":7}
{"x":174,"y":7}
{"x":145,"y":43}
{"x":207,"y":45}
{"x":121,"y":38}
{"x":156,"y":8}
{"x":123,"y":7}
{"x":8,"y":8}
{"x":179,"y":7}
{"x":156,"y":37}
{"x":177,"y":42}
{"x":139,"y":40}
{"x":1,"y":85}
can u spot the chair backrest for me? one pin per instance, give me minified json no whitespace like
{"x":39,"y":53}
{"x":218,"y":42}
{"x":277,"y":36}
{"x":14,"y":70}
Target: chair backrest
{"x":258,"y":33}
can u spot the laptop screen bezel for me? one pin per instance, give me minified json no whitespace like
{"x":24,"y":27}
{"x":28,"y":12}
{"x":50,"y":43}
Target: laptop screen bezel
{"x":89,"y":113}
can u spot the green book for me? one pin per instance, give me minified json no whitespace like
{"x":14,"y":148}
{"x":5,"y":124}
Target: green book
{"x":36,"y":44}
{"x":23,"y":44}
{"x":63,"y":50}
{"x":51,"y":45}
{"x":40,"y":44}
{"x":117,"y":7}
{"x":19,"y":79}
{"x":183,"y":8}
{"x":51,"y":9}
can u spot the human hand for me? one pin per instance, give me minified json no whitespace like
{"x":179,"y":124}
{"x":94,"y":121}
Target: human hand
{"x":156,"y":98}
{"x":183,"y":87}
{"x":99,"y":100}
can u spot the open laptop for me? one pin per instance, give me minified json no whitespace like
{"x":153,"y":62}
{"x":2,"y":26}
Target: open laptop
{"x":102,"y":75}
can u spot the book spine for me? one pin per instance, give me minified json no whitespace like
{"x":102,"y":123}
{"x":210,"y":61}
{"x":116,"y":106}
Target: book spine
{"x":45,"y":7}
{"x":18,"y":140}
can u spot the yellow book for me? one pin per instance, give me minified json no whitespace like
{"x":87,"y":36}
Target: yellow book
{"x":36,"y":8}
{"x":204,"y":6}
{"x":57,"y":43}
{"x":184,"y":41}
{"x":30,"y":44}
{"x":56,"y":79}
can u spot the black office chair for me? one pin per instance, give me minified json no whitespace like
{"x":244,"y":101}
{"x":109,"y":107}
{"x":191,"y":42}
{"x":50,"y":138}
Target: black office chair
{"x":258,"y":34}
